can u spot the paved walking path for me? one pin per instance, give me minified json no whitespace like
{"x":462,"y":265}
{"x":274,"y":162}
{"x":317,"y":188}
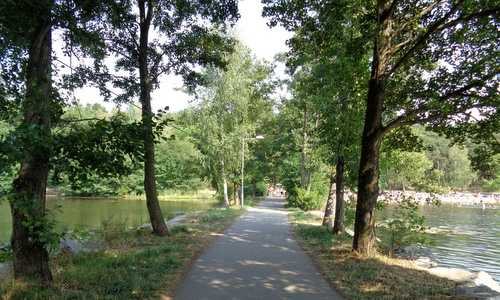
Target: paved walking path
{"x":256,"y":258}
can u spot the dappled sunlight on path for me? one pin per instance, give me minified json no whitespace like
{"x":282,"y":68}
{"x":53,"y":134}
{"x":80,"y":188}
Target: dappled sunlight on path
{"x":256,"y":258}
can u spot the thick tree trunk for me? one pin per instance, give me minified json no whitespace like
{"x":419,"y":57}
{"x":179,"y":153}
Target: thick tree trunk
{"x":364,"y":227}
{"x":368,"y":177}
{"x":154,"y":210}
{"x":31,"y":258}
{"x":330,"y":202}
{"x":338,"y":225}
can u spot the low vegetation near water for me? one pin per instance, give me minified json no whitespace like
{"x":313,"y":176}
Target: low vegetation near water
{"x":135,"y":264}
{"x":365,"y":277}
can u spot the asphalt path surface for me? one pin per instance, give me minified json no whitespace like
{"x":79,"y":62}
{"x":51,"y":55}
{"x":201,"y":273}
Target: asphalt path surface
{"x":256,"y":258}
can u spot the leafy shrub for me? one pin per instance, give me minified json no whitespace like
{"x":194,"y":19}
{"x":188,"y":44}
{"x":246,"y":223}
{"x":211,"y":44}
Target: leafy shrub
{"x":305,"y":200}
{"x":492,"y":185}
{"x":5,"y":253}
{"x":406,"y":225}
{"x":113,"y":229}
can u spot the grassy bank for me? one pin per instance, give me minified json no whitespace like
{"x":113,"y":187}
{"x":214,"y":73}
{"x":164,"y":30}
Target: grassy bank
{"x":177,"y":195}
{"x":135,"y":264}
{"x":376,"y":277}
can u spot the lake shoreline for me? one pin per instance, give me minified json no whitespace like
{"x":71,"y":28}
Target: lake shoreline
{"x":138,"y":260}
{"x":482,"y":200}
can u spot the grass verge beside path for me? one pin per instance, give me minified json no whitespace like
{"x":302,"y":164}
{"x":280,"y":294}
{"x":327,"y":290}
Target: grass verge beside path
{"x":355,"y":277}
{"x":136,"y":264}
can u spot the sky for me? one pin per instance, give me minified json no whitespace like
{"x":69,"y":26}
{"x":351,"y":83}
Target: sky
{"x":251,"y":29}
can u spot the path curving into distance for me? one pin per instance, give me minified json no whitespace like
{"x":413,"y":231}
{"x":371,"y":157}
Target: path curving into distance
{"x":256,"y":258}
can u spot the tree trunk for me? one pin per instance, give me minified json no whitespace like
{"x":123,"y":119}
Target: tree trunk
{"x":368,"y":176}
{"x":304,"y":172}
{"x":235,"y":192}
{"x":31,"y":258}
{"x":254,"y":188}
{"x":338,"y":225}
{"x":330,"y":201}
{"x":224,"y":183}
{"x":364,"y":227}
{"x":154,"y":210}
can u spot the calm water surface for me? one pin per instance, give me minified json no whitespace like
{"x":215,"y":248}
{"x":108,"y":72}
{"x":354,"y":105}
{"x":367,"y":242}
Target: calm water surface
{"x":472,"y":238}
{"x":92,"y":212}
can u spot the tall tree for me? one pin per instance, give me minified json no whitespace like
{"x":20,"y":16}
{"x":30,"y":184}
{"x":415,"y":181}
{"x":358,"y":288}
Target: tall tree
{"x":232,"y":105}
{"x":435,"y":63}
{"x":329,"y":44}
{"x":185,"y":34}
{"x":27,"y":70}
{"x":28,"y":204}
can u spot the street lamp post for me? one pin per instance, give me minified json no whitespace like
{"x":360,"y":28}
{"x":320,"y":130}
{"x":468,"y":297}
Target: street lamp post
{"x":243,"y":139}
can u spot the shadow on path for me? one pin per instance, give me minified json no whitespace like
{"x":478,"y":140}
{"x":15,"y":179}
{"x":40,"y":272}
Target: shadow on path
{"x":256,"y":258}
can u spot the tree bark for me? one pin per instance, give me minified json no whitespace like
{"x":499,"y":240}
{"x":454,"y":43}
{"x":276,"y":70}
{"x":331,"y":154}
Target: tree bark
{"x":330,"y":202}
{"x":154,"y":210}
{"x":338,"y":225}
{"x":224,"y":183}
{"x":368,"y":177}
{"x":31,"y":258}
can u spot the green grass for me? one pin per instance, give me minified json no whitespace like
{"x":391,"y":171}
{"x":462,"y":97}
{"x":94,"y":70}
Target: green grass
{"x":357,"y":277}
{"x":252,"y":201}
{"x":135,"y":264}
{"x":178,"y":196}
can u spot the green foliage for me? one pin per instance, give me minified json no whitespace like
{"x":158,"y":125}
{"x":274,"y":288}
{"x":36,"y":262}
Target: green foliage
{"x":5,"y":253}
{"x":405,"y":225}
{"x":102,"y":155}
{"x":233,"y":102}
{"x":350,"y":211}
{"x":433,"y":164}
{"x":178,"y":165}
{"x":493,"y":184}
{"x":401,"y":169}
{"x":305,"y":200}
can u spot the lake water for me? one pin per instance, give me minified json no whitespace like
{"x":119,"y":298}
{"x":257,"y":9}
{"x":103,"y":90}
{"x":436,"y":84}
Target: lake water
{"x":472,"y":238}
{"x":92,"y":212}
{"x":473,"y":241}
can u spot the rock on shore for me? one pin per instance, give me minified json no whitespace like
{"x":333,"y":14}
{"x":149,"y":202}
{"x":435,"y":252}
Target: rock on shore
{"x":170,"y":223}
{"x":6,"y":270}
{"x":479,"y":285}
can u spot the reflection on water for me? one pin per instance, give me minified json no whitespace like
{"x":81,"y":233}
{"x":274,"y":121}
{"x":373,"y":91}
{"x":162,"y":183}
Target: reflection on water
{"x":472,"y":238}
{"x":91,"y":212}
